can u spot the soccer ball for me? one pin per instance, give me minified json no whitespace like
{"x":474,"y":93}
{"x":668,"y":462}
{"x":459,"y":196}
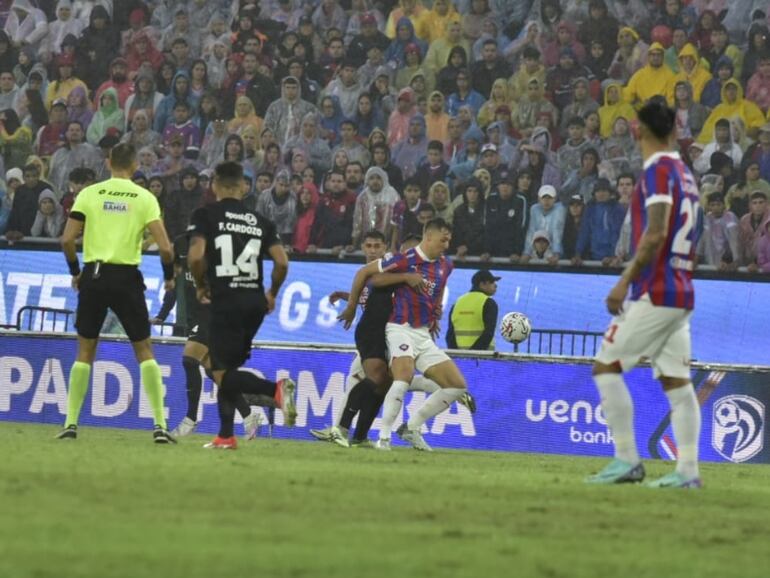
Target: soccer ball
{"x":515,"y":327}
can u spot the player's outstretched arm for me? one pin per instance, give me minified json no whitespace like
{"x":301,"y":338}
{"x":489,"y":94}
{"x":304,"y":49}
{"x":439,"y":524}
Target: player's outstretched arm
{"x":338,"y":296}
{"x":278,"y":276}
{"x":72,"y":230}
{"x":359,"y":282}
{"x":166,"y":251}
{"x":414,"y":280}
{"x":650,"y":244}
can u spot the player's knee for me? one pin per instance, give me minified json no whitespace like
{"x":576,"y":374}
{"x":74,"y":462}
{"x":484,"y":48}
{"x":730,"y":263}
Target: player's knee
{"x":379,"y":375}
{"x":143,"y":350}
{"x":600,"y":368}
{"x":670,"y":383}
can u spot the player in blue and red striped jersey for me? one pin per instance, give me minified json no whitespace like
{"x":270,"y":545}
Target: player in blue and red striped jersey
{"x":410,"y":329}
{"x":656,"y":324}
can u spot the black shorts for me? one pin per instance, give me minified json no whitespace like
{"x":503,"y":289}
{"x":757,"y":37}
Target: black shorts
{"x":234,"y":323}
{"x":200,"y":331}
{"x":117,"y":287}
{"x":371,"y":342}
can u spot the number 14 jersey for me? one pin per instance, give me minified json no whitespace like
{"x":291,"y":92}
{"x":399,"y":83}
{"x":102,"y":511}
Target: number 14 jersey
{"x":237,"y":241}
{"x":668,"y":278}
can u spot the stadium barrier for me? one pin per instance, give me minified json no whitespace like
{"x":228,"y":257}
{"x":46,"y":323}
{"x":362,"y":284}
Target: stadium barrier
{"x":527,"y":403}
{"x":729,"y":318}
{"x":540,"y":341}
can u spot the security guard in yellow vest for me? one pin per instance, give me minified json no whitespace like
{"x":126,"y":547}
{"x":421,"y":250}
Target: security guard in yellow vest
{"x":473,"y":317}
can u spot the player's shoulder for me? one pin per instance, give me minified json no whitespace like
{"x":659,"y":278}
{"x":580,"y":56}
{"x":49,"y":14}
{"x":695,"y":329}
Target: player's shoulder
{"x":665,"y":162}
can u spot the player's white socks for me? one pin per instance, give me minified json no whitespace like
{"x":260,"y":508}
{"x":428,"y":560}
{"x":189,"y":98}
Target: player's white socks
{"x":422,"y":383}
{"x":618,"y":410}
{"x":440,"y":401}
{"x":685,"y":421}
{"x":391,"y":407}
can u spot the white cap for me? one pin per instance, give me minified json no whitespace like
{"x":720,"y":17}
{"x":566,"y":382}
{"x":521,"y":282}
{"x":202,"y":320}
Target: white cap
{"x":546,"y":191}
{"x":14,"y":173}
{"x":541,"y":235}
{"x":489,"y":147}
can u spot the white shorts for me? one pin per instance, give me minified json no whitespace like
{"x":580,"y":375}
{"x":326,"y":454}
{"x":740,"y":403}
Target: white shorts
{"x":661,"y":334}
{"x":406,"y":341}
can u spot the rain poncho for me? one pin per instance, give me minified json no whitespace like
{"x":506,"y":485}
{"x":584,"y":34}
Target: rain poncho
{"x":107,"y":116}
{"x":374,"y":210}
{"x":747,"y":111}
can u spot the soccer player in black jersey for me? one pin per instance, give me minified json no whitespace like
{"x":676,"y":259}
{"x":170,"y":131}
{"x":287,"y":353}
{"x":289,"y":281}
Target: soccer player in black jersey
{"x":228,"y":243}
{"x":195,"y":319}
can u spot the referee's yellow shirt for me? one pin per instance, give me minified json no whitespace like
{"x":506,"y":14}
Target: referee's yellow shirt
{"x":117,"y":211}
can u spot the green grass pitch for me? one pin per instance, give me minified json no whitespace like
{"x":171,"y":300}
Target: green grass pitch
{"x":111,"y":504}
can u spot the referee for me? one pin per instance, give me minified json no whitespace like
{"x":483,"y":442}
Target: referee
{"x":112,"y":216}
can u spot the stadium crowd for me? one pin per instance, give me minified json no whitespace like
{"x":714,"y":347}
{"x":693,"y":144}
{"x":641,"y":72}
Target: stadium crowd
{"x":512,"y":120}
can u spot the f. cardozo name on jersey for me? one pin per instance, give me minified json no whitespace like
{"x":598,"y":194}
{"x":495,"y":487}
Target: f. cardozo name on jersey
{"x":239,"y":228}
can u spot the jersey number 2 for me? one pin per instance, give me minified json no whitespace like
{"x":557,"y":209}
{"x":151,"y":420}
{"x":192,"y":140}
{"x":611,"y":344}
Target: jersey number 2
{"x":247,"y":262}
{"x":684,"y":236}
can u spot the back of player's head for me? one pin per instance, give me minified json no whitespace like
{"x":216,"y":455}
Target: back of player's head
{"x":123,"y":156}
{"x":438,"y":224}
{"x":229,"y":175}
{"x":658,"y":118}
{"x":374,"y":235}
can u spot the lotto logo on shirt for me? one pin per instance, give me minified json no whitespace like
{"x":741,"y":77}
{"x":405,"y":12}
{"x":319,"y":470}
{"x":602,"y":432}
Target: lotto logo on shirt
{"x":115,"y":207}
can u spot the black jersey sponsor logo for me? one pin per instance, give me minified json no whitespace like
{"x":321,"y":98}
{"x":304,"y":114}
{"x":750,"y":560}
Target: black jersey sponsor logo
{"x":248,"y":218}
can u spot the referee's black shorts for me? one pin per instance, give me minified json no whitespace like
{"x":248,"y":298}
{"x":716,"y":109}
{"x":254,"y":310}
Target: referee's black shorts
{"x":234,"y":322}
{"x":371,"y":342}
{"x":199,"y":333}
{"x":117,"y":287}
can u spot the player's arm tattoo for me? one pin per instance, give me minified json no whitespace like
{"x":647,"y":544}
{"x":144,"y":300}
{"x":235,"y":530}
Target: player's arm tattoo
{"x":652,"y":240}
{"x":280,"y":268}
{"x":196,"y":260}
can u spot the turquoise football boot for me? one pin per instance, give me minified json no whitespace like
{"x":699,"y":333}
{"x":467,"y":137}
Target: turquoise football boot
{"x":675,"y":480}
{"x":618,"y":472}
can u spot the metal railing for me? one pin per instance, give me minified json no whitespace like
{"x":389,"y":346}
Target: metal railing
{"x":561,"y":342}
{"x":42,"y":319}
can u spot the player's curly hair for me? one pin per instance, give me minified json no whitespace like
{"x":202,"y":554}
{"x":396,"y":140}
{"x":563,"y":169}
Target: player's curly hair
{"x":658,"y":118}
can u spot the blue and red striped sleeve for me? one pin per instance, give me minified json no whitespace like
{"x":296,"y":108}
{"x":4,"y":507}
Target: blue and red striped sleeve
{"x":659,"y":181}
